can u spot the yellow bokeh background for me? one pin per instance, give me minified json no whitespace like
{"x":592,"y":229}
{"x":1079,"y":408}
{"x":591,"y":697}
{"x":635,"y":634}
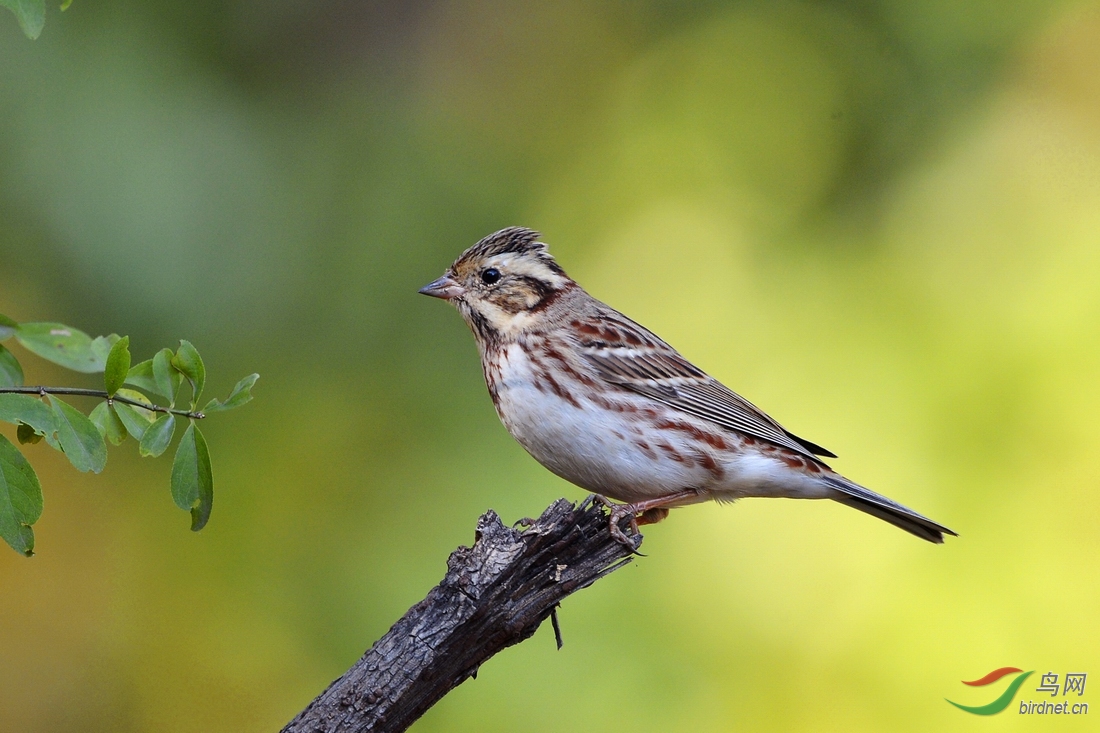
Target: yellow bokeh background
{"x":879,"y":221}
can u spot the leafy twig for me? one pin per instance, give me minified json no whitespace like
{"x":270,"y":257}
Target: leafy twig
{"x":78,"y":392}
{"x":126,"y":410}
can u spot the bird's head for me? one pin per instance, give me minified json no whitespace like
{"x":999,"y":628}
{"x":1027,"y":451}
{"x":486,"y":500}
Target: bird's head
{"x":502,"y":285}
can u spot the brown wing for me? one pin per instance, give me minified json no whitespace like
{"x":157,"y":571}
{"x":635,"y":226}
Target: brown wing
{"x":628,"y":355}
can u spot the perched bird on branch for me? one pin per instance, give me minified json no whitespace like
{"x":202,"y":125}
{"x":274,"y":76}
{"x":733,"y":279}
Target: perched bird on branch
{"x":607,"y":405}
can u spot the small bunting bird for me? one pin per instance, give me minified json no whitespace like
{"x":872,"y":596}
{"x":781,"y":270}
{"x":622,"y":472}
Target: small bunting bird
{"x":607,"y":405}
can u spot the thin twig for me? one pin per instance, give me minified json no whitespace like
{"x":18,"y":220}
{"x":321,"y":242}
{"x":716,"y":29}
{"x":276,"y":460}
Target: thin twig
{"x":79,"y":392}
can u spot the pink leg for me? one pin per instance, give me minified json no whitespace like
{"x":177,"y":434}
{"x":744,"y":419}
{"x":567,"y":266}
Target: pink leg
{"x":651,"y":511}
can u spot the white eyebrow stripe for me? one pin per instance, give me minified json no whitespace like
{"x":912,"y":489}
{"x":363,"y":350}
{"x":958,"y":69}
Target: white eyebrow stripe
{"x":534,"y":267}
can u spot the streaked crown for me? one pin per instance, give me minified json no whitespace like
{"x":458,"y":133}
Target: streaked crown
{"x":518,"y":241}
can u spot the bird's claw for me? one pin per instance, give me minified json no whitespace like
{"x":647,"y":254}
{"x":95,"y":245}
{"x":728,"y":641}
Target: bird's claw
{"x":619,"y":512}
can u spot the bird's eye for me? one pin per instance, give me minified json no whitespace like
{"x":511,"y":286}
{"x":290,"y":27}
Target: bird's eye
{"x":490,"y":276}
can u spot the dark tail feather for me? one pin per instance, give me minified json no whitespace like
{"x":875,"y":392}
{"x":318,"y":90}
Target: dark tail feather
{"x":814,"y":448}
{"x":865,"y":500}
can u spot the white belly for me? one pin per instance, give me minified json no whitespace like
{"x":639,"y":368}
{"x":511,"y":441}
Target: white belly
{"x":620,"y":453}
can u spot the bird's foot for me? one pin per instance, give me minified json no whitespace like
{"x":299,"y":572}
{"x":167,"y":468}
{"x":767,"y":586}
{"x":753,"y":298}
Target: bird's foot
{"x":619,"y":512}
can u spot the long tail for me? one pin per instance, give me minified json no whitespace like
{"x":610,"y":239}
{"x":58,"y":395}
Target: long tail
{"x":865,"y":500}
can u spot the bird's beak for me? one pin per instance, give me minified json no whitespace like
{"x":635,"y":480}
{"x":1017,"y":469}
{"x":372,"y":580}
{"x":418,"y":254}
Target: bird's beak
{"x":445,"y":287}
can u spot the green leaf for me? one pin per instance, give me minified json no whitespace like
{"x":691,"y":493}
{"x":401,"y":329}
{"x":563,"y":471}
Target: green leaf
{"x":192,"y":481}
{"x":118,"y":365}
{"x":65,"y":5}
{"x":141,"y":376}
{"x":79,"y":438}
{"x":157,"y":375}
{"x":11,"y":374}
{"x":27,"y":435}
{"x":168,"y":378}
{"x":188,"y":361}
{"x":108,"y":424}
{"x":101,"y":347}
{"x":7,"y":327}
{"x":22,"y":408}
{"x":241,"y":395}
{"x":62,"y":345}
{"x":31,"y":15}
{"x":136,"y":420}
{"x":158,"y":436}
{"x":132,"y":419}
{"x":20,"y":498}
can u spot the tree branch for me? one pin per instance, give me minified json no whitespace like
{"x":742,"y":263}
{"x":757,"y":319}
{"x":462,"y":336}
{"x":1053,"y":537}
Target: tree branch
{"x":495,"y":594}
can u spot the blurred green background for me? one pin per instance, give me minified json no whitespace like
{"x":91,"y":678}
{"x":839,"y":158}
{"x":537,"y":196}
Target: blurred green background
{"x":877,"y":219}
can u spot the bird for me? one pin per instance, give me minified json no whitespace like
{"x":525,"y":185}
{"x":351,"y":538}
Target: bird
{"x":607,"y":405}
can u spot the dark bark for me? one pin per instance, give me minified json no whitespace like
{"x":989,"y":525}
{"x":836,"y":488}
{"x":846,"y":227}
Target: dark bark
{"x":495,"y":594}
